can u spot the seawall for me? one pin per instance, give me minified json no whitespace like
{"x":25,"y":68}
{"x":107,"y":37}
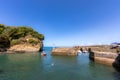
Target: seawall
{"x":107,"y":58}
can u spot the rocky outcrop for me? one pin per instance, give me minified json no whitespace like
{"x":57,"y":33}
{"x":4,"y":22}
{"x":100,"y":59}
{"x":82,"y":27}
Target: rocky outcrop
{"x":64,"y":51}
{"x":25,"y":48}
{"x":20,"y":39}
{"x":27,"y":44}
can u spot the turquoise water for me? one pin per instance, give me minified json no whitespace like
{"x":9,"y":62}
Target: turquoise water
{"x":33,"y":66}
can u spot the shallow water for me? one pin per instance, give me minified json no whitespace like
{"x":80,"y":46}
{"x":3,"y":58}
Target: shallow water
{"x":33,"y":66}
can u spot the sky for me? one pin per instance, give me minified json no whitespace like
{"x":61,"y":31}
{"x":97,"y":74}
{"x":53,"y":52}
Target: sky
{"x":66,"y":22}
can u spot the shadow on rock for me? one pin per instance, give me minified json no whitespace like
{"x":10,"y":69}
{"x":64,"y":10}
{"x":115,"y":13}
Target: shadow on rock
{"x":91,"y":54}
{"x":116,"y":63}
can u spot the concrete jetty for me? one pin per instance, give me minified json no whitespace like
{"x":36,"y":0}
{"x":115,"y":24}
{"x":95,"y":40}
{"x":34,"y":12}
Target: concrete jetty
{"x":65,"y":51}
{"x":100,"y":54}
{"x":107,"y":58}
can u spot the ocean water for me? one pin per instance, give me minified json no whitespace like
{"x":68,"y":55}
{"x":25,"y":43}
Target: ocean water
{"x":33,"y":66}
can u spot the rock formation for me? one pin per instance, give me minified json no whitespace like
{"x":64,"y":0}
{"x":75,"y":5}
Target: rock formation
{"x":20,"y":39}
{"x":27,"y":44}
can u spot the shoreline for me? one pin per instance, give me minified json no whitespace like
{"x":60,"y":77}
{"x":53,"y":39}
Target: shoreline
{"x":18,"y":52}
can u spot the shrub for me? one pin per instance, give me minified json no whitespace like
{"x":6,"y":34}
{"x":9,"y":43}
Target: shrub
{"x":2,"y":27}
{"x":14,"y":42}
{"x":32,"y":41}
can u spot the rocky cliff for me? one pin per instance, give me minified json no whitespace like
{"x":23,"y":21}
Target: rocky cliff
{"x":20,"y":39}
{"x":27,"y":44}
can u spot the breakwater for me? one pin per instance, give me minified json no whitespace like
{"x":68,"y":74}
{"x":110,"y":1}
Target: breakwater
{"x":65,"y":51}
{"x":103,"y":54}
{"x":100,"y":54}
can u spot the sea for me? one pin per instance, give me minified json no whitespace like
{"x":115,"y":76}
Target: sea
{"x":33,"y":66}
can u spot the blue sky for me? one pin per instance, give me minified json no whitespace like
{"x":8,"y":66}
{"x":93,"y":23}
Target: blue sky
{"x":66,"y":22}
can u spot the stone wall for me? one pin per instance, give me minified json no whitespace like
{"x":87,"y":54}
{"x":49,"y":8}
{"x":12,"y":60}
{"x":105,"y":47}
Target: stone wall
{"x":100,"y":48}
{"x":104,"y":54}
{"x":107,"y":58}
{"x":64,"y":51}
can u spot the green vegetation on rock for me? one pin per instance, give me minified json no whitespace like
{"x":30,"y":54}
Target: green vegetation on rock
{"x":2,"y":27}
{"x":32,"y":41}
{"x":15,"y":41}
{"x":14,"y":34}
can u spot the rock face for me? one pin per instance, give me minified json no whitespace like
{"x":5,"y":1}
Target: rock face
{"x":4,"y":44}
{"x":25,"y":48}
{"x":64,"y":51}
{"x":27,"y":44}
{"x":116,"y":63}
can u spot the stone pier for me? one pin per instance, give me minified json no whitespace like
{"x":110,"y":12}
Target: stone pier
{"x":65,"y":51}
{"x":107,"y":58}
